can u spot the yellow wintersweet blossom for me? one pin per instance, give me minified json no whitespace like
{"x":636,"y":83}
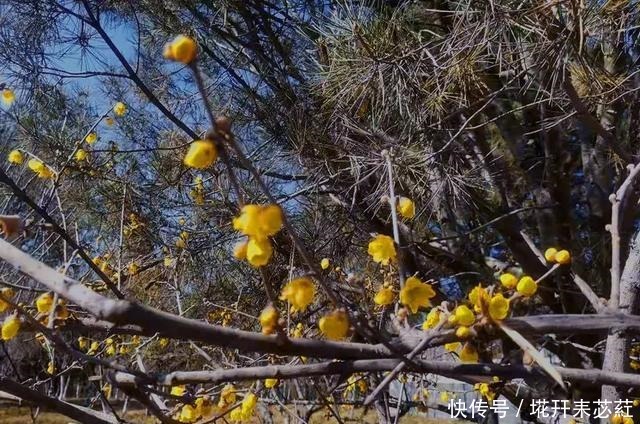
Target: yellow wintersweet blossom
{"x":182,"y":49}
{"x":106,"y":389}
{"x":298,"y":332}
{"x":259,"y":251}
{"x":382,"y":249}
{"x":463,"y":332}
{"x":51,"y":368}
{"x":508,"y":280}
{"x":201,"y":154}
{"x":204,"y":407}
{"x":178,"y":390}
{"x":433,"y":318}
{"x":15,"y":157}
{"x":240,"y":250}
{"x":10,"y":327}
{"x":384,"y":296}
{"x":163,"y":342}
{"x":109,"y":121}
{"x":464,"y":316}
{"x":8,"y":96}
{"x":188,"y":414}
{"x":133,"y":268}
{"x":93,"y":348}
{"x":563,"y":257}
{"x":44,"y":302}
{"x":324,"y":263}
{"x":485,"y":390}
{"x":299,"y":292}
{"x":334,"y":325}
{"x":468,"y":354}
{"x":550,"y":254}
{"x":479,"y":298}
{"x":415,"y":294}
{"x":259,"y":221}
{"x":8,"y":294}
{"x":406,"y":208}
{"x":444,"y":397}
{"x":527,"y":286}
{"x":498,"y":307}
{"x":80,"y":155}
{"x":227,"y":396}
{"x":40,"y":168}
{"x":91,"y":138}
{"x":269,"y":320}
{"x":270,"y":383}
{"x":119,"y":109}
{"x":110,"y":350}
{"x":453,"y":346}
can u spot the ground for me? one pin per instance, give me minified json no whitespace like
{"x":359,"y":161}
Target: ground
{"x":14,"y":415}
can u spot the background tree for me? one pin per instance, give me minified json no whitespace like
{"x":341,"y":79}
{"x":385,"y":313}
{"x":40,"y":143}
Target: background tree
{"x":508,"y":124}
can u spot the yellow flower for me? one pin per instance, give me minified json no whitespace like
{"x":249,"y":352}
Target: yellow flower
{"x":93,"y":348}
{"x":299,"y":292}
{"x":108,"y":120}
{"x":8,"y":96}
{"x":181,"y":243}
{"x":406,"y":208}
{"x":269,"y":320}
{"x":135,"y":340}
{"x":527,"y":286}
{"x":415,"y":294}
{"x":133,"y":268}
{"x":298,"y":332}
{"x":44,"y":302}
{"x":463,"y":332}
{"x":479,"y":298}
{"x":485,"y":390}
{"x":334,"y":325}
{"x":178,"y":390}
{"x":51,"y":368}
{"x":168,"y":261}
{"x":227,"y":396}
{"x":468,"y":354}
{"x":204,"y":407}
{"x":508,"y":280}
{"x":464,"y":316}
{"x":10,"y":327}
{"x":201,"y":154}
{"x":259,"y":221}
{"x":563,"y":257}
{"x":182,"y":49}
{"x":550,"y":254}
{"x":106,"y":389}
{"x":616,"y":419}
{"x":15,"y":157}
{"x":453,"y":346}
{"x":80,"y":155}
{"x":627,"y":420}
{"x":324,"y":263}
{"x":40,"y":168}
{"x":259,"y":252}
{"x":123,"y":350}
{"x":382,"y":249}
{"x":384,"y":296}
{"x":433,"y":318}
{"x":188,"y":414}
{"x":498,"y":307}
{"x":119,"y":109}
{"x":91,"y":138}
{"x":248,"y":405}
{"x":240,"y":250}
{"x":111,"y":350}
{"x":444,"y":397}
{"x":6,"y":293}
{"x":270,"y":383}
{"x":163,"y":342}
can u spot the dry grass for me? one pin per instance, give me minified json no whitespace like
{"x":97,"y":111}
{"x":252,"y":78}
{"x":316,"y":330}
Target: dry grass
{"x":14,"y":415}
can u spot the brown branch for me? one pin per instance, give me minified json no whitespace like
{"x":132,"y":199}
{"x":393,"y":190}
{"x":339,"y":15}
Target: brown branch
{"x":83,"y":415}
{"x":456,"y":370}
